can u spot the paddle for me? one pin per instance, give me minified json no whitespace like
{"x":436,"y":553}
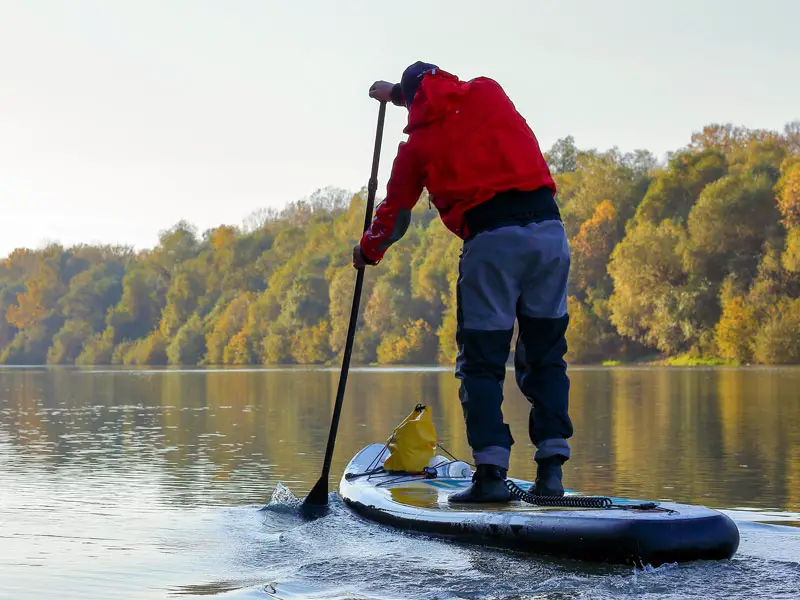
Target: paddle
{"x":318,"y":496}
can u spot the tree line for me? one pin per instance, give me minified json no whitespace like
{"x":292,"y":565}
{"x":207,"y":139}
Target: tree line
{"x":696,"y":258}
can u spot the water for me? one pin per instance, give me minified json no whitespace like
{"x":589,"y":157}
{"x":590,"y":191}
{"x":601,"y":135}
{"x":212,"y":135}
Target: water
{"x":149,"y":484}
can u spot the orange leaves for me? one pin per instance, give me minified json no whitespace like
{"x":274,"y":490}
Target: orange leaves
{"x":592,"y":246}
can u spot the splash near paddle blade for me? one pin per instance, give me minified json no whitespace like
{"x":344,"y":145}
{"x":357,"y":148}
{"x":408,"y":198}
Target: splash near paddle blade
{"x":413,"y":442}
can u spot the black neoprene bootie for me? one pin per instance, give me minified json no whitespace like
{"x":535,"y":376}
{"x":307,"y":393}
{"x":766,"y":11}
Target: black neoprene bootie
{"x":488,"y":485}
{"x":548,"y":477}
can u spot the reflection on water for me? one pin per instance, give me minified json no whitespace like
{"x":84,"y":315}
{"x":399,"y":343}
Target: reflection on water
{"x":139,"y":484}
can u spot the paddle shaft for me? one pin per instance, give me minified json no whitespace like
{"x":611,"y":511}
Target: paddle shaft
{"x":319,"y":494}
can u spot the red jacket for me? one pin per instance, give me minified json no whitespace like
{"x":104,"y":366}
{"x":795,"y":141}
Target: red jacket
{"x":466,"y":143}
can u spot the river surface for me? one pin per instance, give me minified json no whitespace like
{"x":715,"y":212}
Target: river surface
{"x":149,"y":484}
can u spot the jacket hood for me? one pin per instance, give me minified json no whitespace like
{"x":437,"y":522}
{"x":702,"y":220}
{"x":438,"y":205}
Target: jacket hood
{"x":438,"y":93}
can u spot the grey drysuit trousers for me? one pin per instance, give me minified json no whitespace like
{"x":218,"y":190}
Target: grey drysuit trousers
{"x":517,"y":272}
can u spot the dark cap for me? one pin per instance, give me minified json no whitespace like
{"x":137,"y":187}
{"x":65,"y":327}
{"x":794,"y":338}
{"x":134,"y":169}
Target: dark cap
{"x":411,"y":79}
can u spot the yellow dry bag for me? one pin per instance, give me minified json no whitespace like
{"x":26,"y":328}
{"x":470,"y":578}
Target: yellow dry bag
{"x":412,"y":443}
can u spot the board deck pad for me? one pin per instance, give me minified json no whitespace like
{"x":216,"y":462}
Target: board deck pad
{"x":432,"y":494}
{"x":671,"y":532}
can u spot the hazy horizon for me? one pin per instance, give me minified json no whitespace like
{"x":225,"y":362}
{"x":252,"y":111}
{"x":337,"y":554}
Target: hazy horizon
{"x":117,"y":120}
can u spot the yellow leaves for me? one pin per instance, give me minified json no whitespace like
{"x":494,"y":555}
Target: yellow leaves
{"x":380,"y":313}
{"x":152,"y":350}
{"x":447,"y":337}
{"x":277,"y":348}
{"x":98,"y":350}
{"x":580,"y":338}
{"x":226,"y":326}
{"x":68,"y":342}
{"x":27,"y":311}
{"x":40,"y":298}
{"x":728,"y":138}
{"x":430,"y":282}
{"x":415,"y":345}
{"x":281,"y":292}
{"x":604,"y":213}
{"x":791,"y":257}
{"x":311,"y":344}
{"x":788,"y":190}
{"x":734,"y":332}
{"x":238,"y":351}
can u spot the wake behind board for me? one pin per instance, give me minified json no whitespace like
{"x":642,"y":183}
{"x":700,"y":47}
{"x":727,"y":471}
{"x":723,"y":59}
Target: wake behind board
{"x":630,"y":532}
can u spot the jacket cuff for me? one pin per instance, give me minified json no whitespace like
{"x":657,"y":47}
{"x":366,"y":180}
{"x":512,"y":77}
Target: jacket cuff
{"x":367,"y":259}
{"x":397,"y":95}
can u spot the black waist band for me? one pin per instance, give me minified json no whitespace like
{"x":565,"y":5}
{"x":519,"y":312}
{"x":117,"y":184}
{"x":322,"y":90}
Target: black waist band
{"x":512,"y":208}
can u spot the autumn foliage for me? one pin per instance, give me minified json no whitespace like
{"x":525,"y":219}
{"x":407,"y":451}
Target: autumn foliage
{"x":697,"y":256}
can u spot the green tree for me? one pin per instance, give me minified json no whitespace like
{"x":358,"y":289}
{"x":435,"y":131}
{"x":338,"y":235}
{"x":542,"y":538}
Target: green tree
{"x":189,"y":345}
{"x":139,"y":309}
{"x":277,"y":347}
{"x":8,"y":296}
{"x":604,"y":177}
{"x":92,"y":292}
{"x":777,"y":341}
{"x":726,"y":138}
{"x":653,"y":300}
{"x":68,"y":342}
{"x":729,"y":225}
{"x":176,"y":246}
{"x":151,"y":350}
{"x":182,"y":300}
{"x":590,"y":337}
{"x":306,"y":302}
{"x":673,"y":191}
{"x":98,"y":350}
{"x":563,"y":156}
{"x":29,"y":347}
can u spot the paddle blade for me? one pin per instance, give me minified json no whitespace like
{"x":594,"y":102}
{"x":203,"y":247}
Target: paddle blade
{"x":318,"y":496}
{"x":316,"y":503}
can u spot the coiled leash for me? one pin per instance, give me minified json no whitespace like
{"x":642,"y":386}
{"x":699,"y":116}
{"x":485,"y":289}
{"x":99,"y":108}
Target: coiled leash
{"x":579,"y":501}
{"x":565,"y":501}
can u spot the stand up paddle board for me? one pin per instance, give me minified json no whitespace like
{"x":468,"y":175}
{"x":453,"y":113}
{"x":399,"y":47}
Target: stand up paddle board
{"x":612,"y":530}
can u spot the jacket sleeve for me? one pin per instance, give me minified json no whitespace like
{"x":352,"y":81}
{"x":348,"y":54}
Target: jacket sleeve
{"x":397,"y":95}
{"x":393,"y":215}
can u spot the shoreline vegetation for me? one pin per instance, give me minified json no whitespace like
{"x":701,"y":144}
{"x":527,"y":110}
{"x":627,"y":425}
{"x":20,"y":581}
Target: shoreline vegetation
{"x":334,"y":364}
{"x":691,"y":262}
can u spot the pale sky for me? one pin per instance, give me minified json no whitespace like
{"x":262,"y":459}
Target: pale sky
{"x":119,"y":118}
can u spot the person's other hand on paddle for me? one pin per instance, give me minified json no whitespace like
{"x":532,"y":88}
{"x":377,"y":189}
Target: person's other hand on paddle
{"x":381,"y":91}
{"x":359,"y":261}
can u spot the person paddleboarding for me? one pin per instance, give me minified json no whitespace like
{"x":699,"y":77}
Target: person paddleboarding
{"x":489,"y":181}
